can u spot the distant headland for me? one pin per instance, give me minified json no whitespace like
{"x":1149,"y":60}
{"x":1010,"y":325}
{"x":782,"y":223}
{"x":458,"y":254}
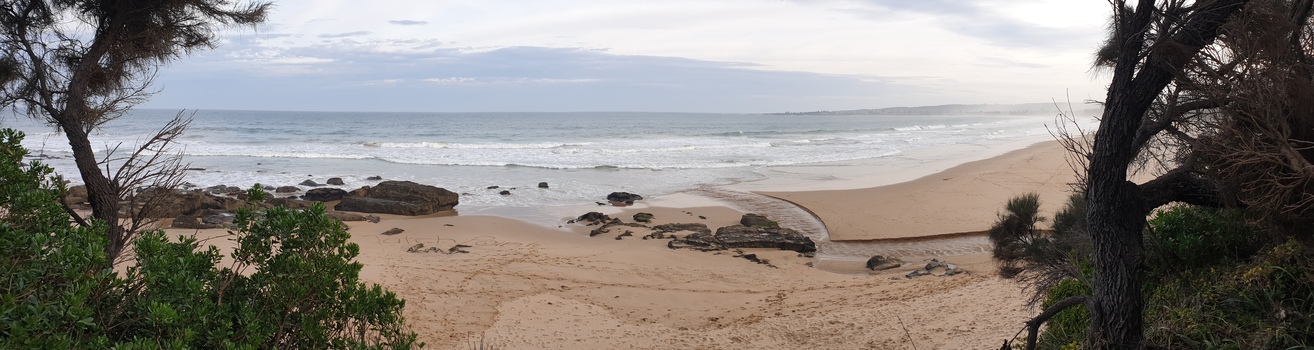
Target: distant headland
{"x":991,"y":109}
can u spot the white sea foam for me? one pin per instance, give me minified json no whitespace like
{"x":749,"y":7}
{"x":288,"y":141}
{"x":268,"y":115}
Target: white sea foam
{"x":583,"y":155}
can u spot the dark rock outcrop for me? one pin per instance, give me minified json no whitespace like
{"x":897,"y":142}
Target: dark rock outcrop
{"x":542,"y":185}
{"x":76,"y":195}
{"x":165,"y":203}
{"x":374,"y":178}
{"x":738,"y":236}
{"x":224,"y":190}
{"x":290,"y":203}
{"x":336,"y":181}
{"x":393,"y":231}
{"x":643,"y":217}
{"x":310,"y":183}
{"x":326,"y":194}
{"x":754,"y":220}
{"x":694,"y":227}
{"x":881,"y":263}
{"x":505,"y":193}
{"x":623,"y":197}
{"x":287,"y":189}
{"x":399,"y":197}
{"x":344,"y":216}
{"x":205,"y":219}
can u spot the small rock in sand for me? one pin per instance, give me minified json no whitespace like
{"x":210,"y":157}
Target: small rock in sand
{"x":393,"y":231}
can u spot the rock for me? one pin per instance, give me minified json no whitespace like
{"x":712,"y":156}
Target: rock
{"x":457,"y":249}
{"x":916,"y":273}
{"x":593,"y":218}
{"x":401,"y":198}
{"x":643,"y":217}
{"x":224,"y":190}
{"x":494,"y":187}
{"x":881,"y":263}
{"x":310,"y":183}
{"x":290,"y":203}
{"x":76,"y":195}
{"x":694,"y":227}
{"x":205,"y":219}
{"x":763,"y":237}
{"x":626,"y":234}
{"x":542,"y":185}
{"x":345,"y":216}
{"x":374,"y":178}
{"x":336,"y":181}
{"x":287,"y":189}
{"x":326,"y":194}
{"x":372,"y":219}
{"x":505,"y":193}
{"x":755,"y":220}
{"x":393,"y":231}
{"x":623,"y":197}
{"x":165,"y":203}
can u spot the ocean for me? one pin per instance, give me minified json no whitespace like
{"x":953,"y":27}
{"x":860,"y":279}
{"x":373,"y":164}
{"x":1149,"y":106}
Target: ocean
{"x":582,"y":156}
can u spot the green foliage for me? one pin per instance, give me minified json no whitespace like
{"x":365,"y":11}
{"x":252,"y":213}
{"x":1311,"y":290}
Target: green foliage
{"x":1068,"y":328}
{"x":1071,"y":220}
{"x":1190,"y":236}
{"x":292,"y":283}
{"x":1015,"y":232}
{"x":52,"y":270}
{"x":1264,"y":304}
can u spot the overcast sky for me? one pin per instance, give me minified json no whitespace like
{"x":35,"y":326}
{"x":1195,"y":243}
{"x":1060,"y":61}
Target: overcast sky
{"x":632,"y":55}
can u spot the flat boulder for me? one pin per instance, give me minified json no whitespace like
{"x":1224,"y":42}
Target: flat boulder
{"x":739,"y":236}
{"x":623,"y":197}
{"x":400,"y":198}
{"x":287,"y":189}
{"x":163,"y":203}
{"x":755,"y":220}
{"x":336,"y":181}
{"x":881,"y":263}
{"x":324,"y":194}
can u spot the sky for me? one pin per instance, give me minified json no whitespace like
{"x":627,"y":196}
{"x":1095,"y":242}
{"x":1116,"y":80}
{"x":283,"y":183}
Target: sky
{"x":720,"y":56}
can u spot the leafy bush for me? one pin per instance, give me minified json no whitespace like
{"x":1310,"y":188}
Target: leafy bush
{"x":52,"y":271}
{"x":1265,"y":304}
{"x":1015,"y":232}
{"x":1068,"y":328}
{"x":292,"y":285}
{"x":1189,"y":236}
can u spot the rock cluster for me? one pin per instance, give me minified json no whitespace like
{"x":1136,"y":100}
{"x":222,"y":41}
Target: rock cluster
{"x":399,"y":197}
{"x":936,"y":268}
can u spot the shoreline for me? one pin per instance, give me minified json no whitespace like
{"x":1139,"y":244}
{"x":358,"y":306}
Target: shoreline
{"x":546,"y":284}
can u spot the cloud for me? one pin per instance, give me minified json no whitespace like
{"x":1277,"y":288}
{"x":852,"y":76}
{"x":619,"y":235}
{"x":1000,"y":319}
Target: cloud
{"x":344,"y":35}
{"x":510,"y":79}
{"x":407,"y":22}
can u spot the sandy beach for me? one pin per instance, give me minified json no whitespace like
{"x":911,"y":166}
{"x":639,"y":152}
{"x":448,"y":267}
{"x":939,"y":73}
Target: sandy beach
{"x":548,"y":285}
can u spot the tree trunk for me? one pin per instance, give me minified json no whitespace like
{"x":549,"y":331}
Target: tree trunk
{"x":1116,"y":209}
{"x":101,"y":192}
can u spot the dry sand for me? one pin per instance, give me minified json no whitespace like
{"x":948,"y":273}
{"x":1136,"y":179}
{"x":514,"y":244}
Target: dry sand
{"x":529,"y":286}
{"x":965,"y":198}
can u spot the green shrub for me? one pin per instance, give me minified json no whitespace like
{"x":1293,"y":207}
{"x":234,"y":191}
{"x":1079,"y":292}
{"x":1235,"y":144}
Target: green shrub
{"x":292,"y":285}
{"x":1068,"y":328}
{"x":52,"y":271}
{"x":1189,"y":236}
{"x":1264,"y":304}
{"x":1015,"y":232}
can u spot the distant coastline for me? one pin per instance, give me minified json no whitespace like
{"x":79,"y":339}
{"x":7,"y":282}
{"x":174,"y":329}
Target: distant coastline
{"x":953,"y":109}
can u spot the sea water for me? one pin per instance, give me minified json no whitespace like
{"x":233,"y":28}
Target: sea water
{"x":582,"y":156}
